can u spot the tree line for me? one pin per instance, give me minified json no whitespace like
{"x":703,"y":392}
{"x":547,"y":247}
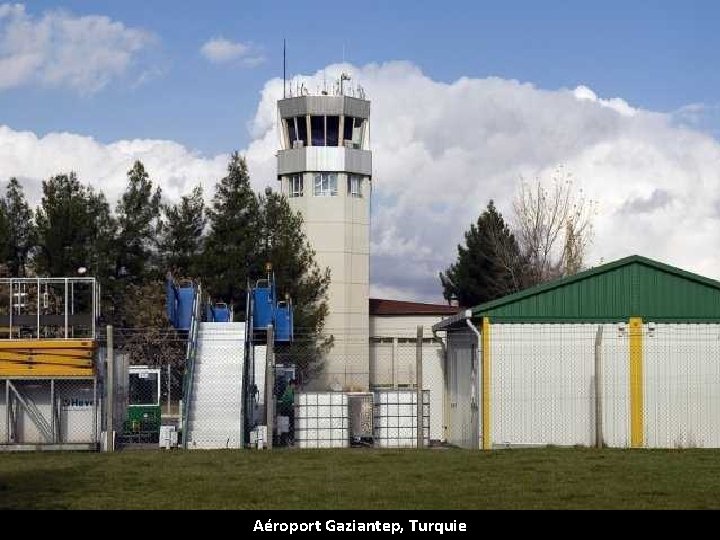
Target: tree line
{"x":545,"y":239}
{"x":131,"y":247}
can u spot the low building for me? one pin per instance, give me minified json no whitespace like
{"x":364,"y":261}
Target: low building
{"x":623,"y":355}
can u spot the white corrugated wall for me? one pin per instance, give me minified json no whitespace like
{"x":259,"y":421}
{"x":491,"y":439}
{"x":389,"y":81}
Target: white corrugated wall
{"x":543,"y":384}
{"x":682,"y":385}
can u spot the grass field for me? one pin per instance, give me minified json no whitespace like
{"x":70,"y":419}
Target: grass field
{"x":547,"y":478}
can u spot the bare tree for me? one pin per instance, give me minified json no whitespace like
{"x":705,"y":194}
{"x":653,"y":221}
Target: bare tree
{"x":554,"y":226}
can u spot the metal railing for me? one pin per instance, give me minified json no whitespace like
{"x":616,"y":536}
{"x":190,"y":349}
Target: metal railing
{"x":190,"y":360}
{"x":49,"y":308}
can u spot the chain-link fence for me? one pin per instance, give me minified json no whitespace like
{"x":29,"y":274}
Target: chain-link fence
{"x":49,"y":412}
{"x":145,"y":387}
{"x":626,"y":384}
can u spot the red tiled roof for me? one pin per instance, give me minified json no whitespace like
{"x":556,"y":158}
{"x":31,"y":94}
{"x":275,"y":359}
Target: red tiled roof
{"x":400,"y":307}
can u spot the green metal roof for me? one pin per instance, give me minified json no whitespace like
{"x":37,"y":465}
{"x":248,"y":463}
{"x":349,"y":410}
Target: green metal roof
{"x":631,"y":287}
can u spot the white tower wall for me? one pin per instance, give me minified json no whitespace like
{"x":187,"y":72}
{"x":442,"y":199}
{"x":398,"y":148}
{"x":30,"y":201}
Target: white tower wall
{"x":336,"y":181}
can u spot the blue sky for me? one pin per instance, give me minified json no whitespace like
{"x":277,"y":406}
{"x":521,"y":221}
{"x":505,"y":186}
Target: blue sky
{"x":657,"y":55}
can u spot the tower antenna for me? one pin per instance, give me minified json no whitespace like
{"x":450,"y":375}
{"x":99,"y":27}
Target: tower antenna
{"x":284,"y":72}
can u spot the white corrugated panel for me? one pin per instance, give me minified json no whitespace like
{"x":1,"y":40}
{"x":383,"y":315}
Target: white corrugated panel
{"x":395,"y":418}
{"x":682,"y":385}
{"x":615,"y":359}
{"x":434,"y":382}
{"x":215,"y":413}
{"x":322,"y":420}
{"x":542,"y":384}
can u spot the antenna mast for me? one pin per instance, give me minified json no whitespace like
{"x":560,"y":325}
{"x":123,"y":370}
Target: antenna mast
{"x":284,"y":72}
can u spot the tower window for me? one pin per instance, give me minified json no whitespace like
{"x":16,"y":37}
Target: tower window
{"x":332,"y":131}
{"x":317,"y":126}
{"x":355,"y":186}
{"x":302,"y":129}
{"x":292,"y":132}
{"x":296,"y":186}
{"x":348,"y":130}
{"x":325,"y":185}
{"x":352,"y":132}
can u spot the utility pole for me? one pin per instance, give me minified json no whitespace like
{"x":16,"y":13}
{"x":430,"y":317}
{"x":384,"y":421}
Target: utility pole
{"x":419,"y":385}
{"x":270,"y":387}
{"x":109,"y":393}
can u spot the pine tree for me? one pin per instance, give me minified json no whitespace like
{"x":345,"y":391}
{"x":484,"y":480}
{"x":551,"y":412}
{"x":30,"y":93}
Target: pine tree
{"x":231,"y":247}
{"x":488,"y":266}
{"x":4,"y":239}
{"x":182,"y":234}
{"x":138,"y":218}
{"x":20,"y":229}
{"x":64,"y":227}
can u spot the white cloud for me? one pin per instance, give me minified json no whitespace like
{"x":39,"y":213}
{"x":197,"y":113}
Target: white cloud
{"x":62,"y":50}
{"x":172,"y":166}
{"x":441,"y":151}
{"x":221,"y":51}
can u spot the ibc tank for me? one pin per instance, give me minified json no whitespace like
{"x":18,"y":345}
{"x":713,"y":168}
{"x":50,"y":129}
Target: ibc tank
{"x":186,"y":294}
{"x":264,"y":305}
{"x":283,"y":322}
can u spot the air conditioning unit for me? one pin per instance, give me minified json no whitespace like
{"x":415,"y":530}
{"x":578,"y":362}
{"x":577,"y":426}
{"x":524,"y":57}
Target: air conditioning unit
{"x":298,"y":144}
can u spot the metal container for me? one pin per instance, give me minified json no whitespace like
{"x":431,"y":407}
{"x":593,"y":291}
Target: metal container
{"x":321,"y":420}
{"x":395,"y":418}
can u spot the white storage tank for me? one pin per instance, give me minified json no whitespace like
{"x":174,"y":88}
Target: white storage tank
{"x":395,"y":418}
{"x":322,"y":420}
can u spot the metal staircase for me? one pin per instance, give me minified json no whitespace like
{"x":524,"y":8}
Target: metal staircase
{"x":214,"y":416}
{"x":33,"y":412}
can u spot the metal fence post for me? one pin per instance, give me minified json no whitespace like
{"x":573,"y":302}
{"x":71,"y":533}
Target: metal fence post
{"x":598,"y":388}
{"x":169,"y":386}
{"x":270,"y":387}
{"x":109,"y":392}
{"x":419,"y":385}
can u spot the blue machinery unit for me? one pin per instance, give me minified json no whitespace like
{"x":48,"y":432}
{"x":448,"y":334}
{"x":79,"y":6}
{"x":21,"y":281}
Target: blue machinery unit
{"x":179,"y":302}
{"x":264,"y":310}
{"x":218,"y":312}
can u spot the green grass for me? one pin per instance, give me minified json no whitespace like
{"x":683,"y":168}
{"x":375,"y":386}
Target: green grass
{"x":547,"y":478}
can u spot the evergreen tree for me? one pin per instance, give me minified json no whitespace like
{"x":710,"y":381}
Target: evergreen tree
{"x":64,"y":227}
{"x":182,"y":234}
{"x":231,"y":247}
{"x":19,"y":233}
{"x":138,"y":219}
{"x":101,"y":252}
{"x":4,"y":239}
{"x":293,"y":261}
{"x":101,"y":241}
{"x":488,"y":266}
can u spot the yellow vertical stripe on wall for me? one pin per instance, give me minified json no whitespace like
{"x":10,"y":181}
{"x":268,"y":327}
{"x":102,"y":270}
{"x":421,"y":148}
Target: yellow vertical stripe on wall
{"x":637,"y":428}
{"x":486,"y":442}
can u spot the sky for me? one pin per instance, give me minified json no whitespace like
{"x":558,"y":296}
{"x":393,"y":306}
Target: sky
{"x":467,"y":98}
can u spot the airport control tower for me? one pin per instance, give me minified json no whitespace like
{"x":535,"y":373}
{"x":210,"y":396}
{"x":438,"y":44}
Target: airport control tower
{"x":325,"y":168}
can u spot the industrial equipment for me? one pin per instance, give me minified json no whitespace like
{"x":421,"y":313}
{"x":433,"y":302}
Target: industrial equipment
{"x":143,"y":419}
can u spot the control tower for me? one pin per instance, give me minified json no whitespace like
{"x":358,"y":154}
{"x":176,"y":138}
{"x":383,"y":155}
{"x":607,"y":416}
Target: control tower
{"x":325,"y":170}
